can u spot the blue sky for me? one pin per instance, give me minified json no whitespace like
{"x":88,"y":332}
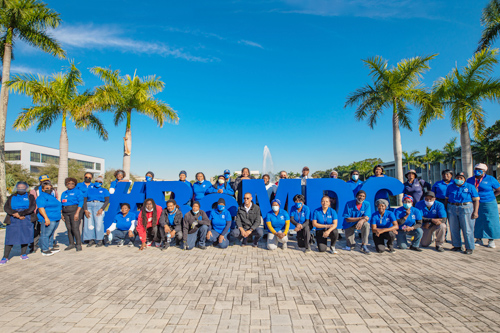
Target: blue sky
{"x":245,"y":74}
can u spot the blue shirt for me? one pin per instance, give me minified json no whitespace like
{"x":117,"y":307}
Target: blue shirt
{"x":302,"y":216}
{"x":199,"y":189}
{"x":225,"y":189}
{"x":72,"y":197}
{"x":322,"y":218}
{"x":464,"y":193}
{"x":171,"y":217}
{"x":439,"y":188}
{"x":387,"y":221}
{"x":486,"y":188}
{"x":435,"y":211}
{"x":220,"y":220}
{"x":355,"y":186}
{"x":415,"y":215}
{"x":83,"y":187}
{"x":278,"y":222}
{"x":52,"y":207}
{"x":351,"y":210}
{"x":20,"y":202}
{"x":98,"y":194}
{"x":188,"y":184}
{"x":124,"y":223}
{"x":414,"y":189}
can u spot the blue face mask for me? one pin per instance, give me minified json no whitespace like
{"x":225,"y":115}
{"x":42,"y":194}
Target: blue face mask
{"x":148,"y":179}
{"x":407,"y":205}
{"x":478,"y":173}
{"x":299,"y":204}
{"x":221,"y":207}
{"x":96,"y":184}
{"x":459,"y":181}
{"x":226,"y":176}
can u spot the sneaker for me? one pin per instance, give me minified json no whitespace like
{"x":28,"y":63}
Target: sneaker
{"x":414,"y":248}
{"x":439,"y":249}
{"x":121,"y":242}
{"x":491,"y":244}
{"x":47,"y":253}
{"x":255,"y":244}
{"x":4,"y":261}
{"x":91,"y":243}
{"x":307,"y":251}
{"x":479,"y":241}
{"x":24,"y":257}
{"x":157,"y":245}
{"x":99,"y":243}
{"x":165,"y":246}
{"x":244,"y":242}
{"x":468,"y":251}
{"x":391,"y":249}
{"x":130,"y":244}
{"x":148,"y":244}
{"x":456,"y":249}
{"x":202,"y":247}
{"x":364,"y":249}
{"x":333,"y":250}
{"x":70,"y":247}
{"x":54,"y":250}
{"x":284,"y":246}
{"x":347,"y":248}
{"x":55,"y":245}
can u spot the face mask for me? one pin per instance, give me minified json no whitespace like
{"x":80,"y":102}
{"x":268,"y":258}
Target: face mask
{"x":195,"y":212}
{"x":87,"y":180}
{"x":97,"y":184}
{"x":48,"y":191}
{"x":221,"y":207}
{"x":21,"y":191}
{"x":221,"y":181}
{"x":173,"y":211}
{"x":407,"y":205}
{"x":148,"y":179}
{"x":459,"y":181}
{"x":226,"y":176}
{"x":299,"y":204}
{"x":355,"y":177}
{"x":332,"y":176}
{"x":429,"y":203}
{"x":478,"y":173}
{"x":276,"y":208}
{"x":149,"y":210}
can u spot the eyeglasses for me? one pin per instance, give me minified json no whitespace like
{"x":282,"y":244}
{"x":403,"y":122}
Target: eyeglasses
{"x":247,"y":198}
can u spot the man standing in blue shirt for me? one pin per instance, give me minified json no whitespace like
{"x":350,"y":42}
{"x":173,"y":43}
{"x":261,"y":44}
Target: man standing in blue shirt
{"x":433,"y":221}
{"x":356,"y":216}
{"x":439,"y":188}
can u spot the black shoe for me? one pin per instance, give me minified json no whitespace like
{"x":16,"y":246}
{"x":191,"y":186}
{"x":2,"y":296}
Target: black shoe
{"x":439,"y":249}
{"x":202,"y":247}
{"x":165,"y":246}
{"x":78,"y":248}
{"x":414,"y":248}
{"x":47,"y":253}
{"x":255,"y":245}
{"x":55,"y":246}
{"x":468,"y":251}
{"x":54,"y":250}
{"x":391,"y":249}
{"x":70,"y":247}
{"x":456,"y":249}
{"x":100,"y":243}
{"x":91,"y":243}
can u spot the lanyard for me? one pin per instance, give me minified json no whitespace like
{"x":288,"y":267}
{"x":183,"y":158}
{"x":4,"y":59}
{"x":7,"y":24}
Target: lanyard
{"x":477,"y":183}
{"x":325,"y":219}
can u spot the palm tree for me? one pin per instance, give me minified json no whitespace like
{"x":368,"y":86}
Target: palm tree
{"x":396,"y":88}
{"x":28,"y":21}
{"x":451,"y":152}
{"x":490,"y":20}
{"x":412,"y":159}
{"x":122,"y":95}
{"x":487,"y":148}
{"x":53,"y":98}
{"x":461,"y":93}
{"x":431,"y":157}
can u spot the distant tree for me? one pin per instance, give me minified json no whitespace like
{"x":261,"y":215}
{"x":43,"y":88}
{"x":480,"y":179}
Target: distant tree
{"x":451,"y":153}
{"x":412,"y":158}
{"x":431,"y":157}
{"x":17,"y":173}
{"x":75,"y":170}
{"x":487,"y":148}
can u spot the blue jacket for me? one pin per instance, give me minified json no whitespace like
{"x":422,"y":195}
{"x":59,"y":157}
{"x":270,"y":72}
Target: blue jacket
{"x":83,"y":187}
{"x":200,"y":189}
{"x":355,"y":186}
{"x":98,"y":194}
{"x":226,"y":189}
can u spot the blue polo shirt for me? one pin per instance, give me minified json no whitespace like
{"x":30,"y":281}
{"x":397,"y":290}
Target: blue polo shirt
{"x":461,"y":194}
{"x":486,"y":188}
{"x":83,"y":187}
{"x":226,"y":189}
{"x":199,"y":189}
{"x":20,"y":202}
{"x":98,"y":194}
{"x":220,"y":220}
{"x":415,"y":214}
{"x":72,"y":197}
{"x":383,"y":222}
{"x":278,"y":222}
{"x":351,"y":210}
{"x":322,"y":218}
{"x":52,"y":207}
{"x":435,"y":211}
{"x":439,"y":188}
{"x":124,"y":223}
{"x":355,"y":186}
{"x":302,"y":216}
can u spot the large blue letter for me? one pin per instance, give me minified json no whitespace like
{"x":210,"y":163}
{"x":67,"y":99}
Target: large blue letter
{"x":156,"y":191}
{"x":257,"y":189}
{"x":288,"y":188}
{"x":376,"y":184}
{"x":136,"y":196}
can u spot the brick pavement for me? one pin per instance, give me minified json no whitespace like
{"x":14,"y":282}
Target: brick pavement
{"x":243,"y":289}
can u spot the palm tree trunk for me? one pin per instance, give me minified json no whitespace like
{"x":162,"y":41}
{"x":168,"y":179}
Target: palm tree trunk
{"x":63,"y":158}
{"x":4,"y":101}
{"x":398,"y":150}
{"x":466,"y":149}
{"x":127,"y":147}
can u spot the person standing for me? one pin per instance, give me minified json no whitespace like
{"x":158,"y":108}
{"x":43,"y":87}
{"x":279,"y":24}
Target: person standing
{"x":439,"y":188}
{"x":433,"y":221}
{"x":195,"y":228}
{"x":119,"y":177}
{"x":245,"y":174}
{"x":95,"y":201}
{"x":86,"y":184}
{"x":410,"y":221}
{"x":278,"y":224}
{"x":413,"y":187}
{"x":354,"y":182}
{"x":220,"y":219}
{"x":35,"y":192}
{"x":356,"y":217}
{"x":200,"y":187}
{"x":300,"y":217}
{"x":248,"y":221}
{"x":384,"y":226}
{"x":149,"y":177}
{"x":270,"y":187}
{"x":72,"y":204}
{"x":325,"y":221}
{"x":49,"y":215}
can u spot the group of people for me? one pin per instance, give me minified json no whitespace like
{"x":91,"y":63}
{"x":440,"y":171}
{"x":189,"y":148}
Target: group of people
{"x":468,"y":205}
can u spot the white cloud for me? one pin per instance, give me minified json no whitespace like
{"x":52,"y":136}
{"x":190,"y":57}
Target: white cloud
{"x":250,"y":43}
{"x":104,"y":37}
{"x":21,"y":69}
{"x":212,"y":35}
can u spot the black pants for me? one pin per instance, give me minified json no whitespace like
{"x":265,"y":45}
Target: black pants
{"x":304,"y":237}
{"x":38,"y":229}
{"x":72,"y":225}
{"x":256,"y":234}
{"x":8,"y":248}
{"x":379,"y":241}
{"x":178,"y":233}
{"x":323,"y":242}
{"x":153,"y":234}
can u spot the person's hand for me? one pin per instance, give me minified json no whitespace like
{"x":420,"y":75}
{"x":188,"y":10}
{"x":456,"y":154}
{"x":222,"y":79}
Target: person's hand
{"x":298,"y":227}
{"x":185,"y":246}
{"x":87,"y":214}
{"x":326,"y":234}
{"x":143,"y":246}
{"x":221,"y":238}
{"x":245,"y":233}
{"x":16,"y":215}
{"x":438,"y":223}
{"x":409,"y":229}
{"x":377,"y":232}
{"x":395,"y":232}
{"x":220,"y":191}
{"x":99,"y":212}
{"x":130,"y":234}
{"x":172,"y":233}
{"x":209,"y":234}
{"x":23,"y":217}
{"x":360,"y":223}
{"x":76,"y":217}
{"x":474,"y":216}
{"x":47,"y":222}
{"x":108,"y":232}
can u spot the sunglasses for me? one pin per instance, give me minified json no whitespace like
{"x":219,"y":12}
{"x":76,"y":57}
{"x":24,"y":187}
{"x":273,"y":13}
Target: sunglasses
{"x":247,"y":198}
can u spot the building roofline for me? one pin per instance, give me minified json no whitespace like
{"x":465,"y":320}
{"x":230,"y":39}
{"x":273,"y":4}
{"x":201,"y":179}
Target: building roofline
{"x":34,"y":144}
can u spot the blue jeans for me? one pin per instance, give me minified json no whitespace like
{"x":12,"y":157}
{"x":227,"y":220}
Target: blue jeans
{"x":199,"y":236}
{"x":47,"y":234}
{"x":460,"y":220}
{"x":121,"y":235}
{"x":215,"y":239}
{"x":93,"y":228}
{"x":402,"y":240}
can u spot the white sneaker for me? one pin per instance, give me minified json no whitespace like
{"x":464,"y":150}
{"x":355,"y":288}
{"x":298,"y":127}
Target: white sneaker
{"x":285,"y":246}
{"x":332,"y":250}
{"x":120,"y":244}
{"x":491,"y":244}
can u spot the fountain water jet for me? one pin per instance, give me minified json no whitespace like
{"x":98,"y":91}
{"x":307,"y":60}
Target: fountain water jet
{"x":267,"y":163}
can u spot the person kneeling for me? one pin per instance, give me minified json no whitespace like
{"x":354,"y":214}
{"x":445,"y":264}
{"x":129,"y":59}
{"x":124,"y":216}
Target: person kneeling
{"x":433,"y":221}
{"x":248,"y":222}
{"x":384,"y":226}
{"x":221,"y":222}
{"x":278,"y":223}
{"x":300,"y":217}
{"x":410,"y":220}
{"x":356,"y":216}
{"x":195,"y":228}
{"x":171,"y":224}
{"x":325,"y":222}
{"x":148,"y":224}
{"x":122,"y":228}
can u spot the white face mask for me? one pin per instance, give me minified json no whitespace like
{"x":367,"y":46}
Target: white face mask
{"x":195,"y":212}
{"x":276,"y":208}
{"x":221,"y":181}
{"x":149,"y":210}
{"x":429,"y":203}
{"x":355,"y":177}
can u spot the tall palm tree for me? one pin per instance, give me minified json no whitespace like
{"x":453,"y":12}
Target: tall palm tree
{"x":412,"y":159}
{"x":124,"y":94}
{"x":461,"y":92}
{"x":28,"y":21}
{"x":451,"y":152}
{"x":490,"y":20}
{"x":396,"y":88}
{"x":53,"y":98}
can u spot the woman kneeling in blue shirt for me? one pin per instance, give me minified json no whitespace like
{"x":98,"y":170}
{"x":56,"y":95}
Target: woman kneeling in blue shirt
{"x":220,"y":223}
{"x":384,"y":226}
{"x":123,"y":226}
{"x":410,"y":222}
{"x":325,"y":222}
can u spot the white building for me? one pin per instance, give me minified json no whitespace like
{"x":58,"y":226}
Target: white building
{"x":33,"y":157}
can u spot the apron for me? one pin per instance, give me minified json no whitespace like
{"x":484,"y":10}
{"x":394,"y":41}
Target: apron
{"x":19,"y":231}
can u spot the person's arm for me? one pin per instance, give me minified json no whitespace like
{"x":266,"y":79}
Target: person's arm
{"x":112,"y":227}
{"x":270,"y":227}
{"x":292,"y":220}
{"x":140,"y":229}
{"x":204,"y":219}
{"x":237,"y":220}
{"x":228,"y":190}
{"x":8,"y":208}
{"x":287,"y":226}
{"x":30,"y":209}
{"x":475,"y":204}
{"x":163,"y":218}
{"x":185,"y":228}
{"x":211,"y":190}
{"x":256,"y":222}
{"x":496,"y":192}
{"x":85,"y":199}
{"x":226,"y":228}
{"x":132,"y":225}
{"x":418,"y":224}
{"x":105,"y":204}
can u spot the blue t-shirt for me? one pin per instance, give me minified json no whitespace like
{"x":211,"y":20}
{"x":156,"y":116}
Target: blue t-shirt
{"x":383,"y":222}
{"x":20,"y":202}
{"x":322,"y":218}
{"x":124,"y":223}
{"x":439,"y":188}
{"x":355,"y":186}
{"x":220,"y":220}
{"x":461,"y":194}
{"x":226,"y":189}
{"x":83,"y":187}
{"x":351,"y":210}
{"x":302,"y":216}
{"x":72,"y":197}
{"x":171,"y":217}
{"x":98,"y":194}
{"x":486,"y":188}
{"x":52,"y":207}
{"x":278,"y":222}
{"x":199,"y":189}
{"x":435,"y":211}
{"x":415,"y":215}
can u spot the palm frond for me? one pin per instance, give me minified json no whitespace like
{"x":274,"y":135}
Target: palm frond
{"x":490,"y":19}
{"x":378,"y":67}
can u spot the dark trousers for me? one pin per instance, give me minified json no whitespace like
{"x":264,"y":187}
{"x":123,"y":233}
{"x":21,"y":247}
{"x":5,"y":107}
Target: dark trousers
{"x":379,"y":241}
{"x":8,"y":248}
{"x":72,"y":225}
{"x":304,"y":237}
{"x":38,"y":227}
{"x":153,"y":234}
{"x":256,"y":234}
{"x":178,"y":233}
{"x":323,"y":242}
